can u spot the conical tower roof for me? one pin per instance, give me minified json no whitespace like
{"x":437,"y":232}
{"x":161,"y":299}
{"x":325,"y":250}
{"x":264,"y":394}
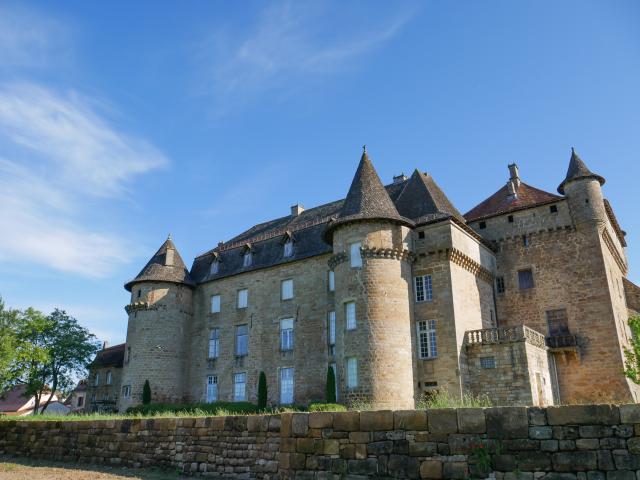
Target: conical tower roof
{"x":423,"y":200}
{"x":166,"y":265}
{"x":367,"y":199}
{"x":577,"y":169}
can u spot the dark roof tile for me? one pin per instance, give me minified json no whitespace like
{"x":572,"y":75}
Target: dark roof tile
{"x":422,"y":200}
{"x":109,"y":357}
{"x":578,"y":169}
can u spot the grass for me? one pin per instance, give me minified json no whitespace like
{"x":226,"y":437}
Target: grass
{"x":443,"y":399}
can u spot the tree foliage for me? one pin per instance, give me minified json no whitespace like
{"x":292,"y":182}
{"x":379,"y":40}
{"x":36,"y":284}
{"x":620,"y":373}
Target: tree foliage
{"x":262,"y":391}
{"x":146,"y":393}
{"x":331,"y":385}
{"x":632,"y":355}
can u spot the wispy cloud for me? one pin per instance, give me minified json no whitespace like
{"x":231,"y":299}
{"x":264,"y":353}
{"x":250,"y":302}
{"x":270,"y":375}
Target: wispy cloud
{"x":291,"y":41}
{"x":60,"y":154}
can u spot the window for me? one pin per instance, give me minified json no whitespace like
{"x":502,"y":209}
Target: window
{"x":247,"y":259}
{"x":286,"y":334}
{"x":242,"y":340}
{"x":331,"y":327}
{"x":215,"y":267}
{"x":510,"y":218}
{"x":214,"y":343}
{"x":128,"y":357}
{"x":109,"y":378}
{"x":557,"y":322}
{"x":286,"y":288}
{"x":243,"y":298}
{"x":525,"y":279}
{"x":335,"y":375}
{"x":332,"y":281}
{"x":354,"y":253}
{"x":500,"y":285}
{"x":288,"y":248}
{"x":350,"y":315}
{"x":427,"y":344}
{"x":215,"y":303}
{"x":553,"y":209}
{"x":212,"y":388}
{"x":423,"y":288}
{"x":487,"y":362}
{"x":139,"y":293}
{"x":352,"y":372}
{"x":421,"y":234}
{"x":96,"y":380}
{"x":525,"y":241}
{"x":286,"y":386}
{"x":483,"y":225}
{"x":239,"y":387}
{"x":126,"y":391}
{"x":80,"y":402}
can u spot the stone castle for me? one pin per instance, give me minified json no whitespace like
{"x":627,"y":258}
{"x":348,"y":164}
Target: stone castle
{"x":524,"y":299}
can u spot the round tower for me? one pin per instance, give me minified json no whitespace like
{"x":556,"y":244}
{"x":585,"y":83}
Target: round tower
{"x":371,"y":264}
{"x":160,"y":312}
{"x":584,"y":193}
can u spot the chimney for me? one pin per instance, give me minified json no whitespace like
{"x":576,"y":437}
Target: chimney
{"x":399,"y":178}
{"x":513,"y":190}
{"x":514,"y":175}
{"x":296,"y":210}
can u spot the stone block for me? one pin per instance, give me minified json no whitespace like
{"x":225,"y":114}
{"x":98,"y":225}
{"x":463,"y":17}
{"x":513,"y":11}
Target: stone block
{"x":623,"y":431}
{"x":596,"y":475}
{"x":507,"y":422}
{"x":579,"y":461}
{"x":330,"y":447}
{"x":285,"y":424}
{"x":567,"y":444}
{"x":630,"y":413}
{"x":613,"y":443}
{"x":300,"y":424}
{"x":368,"y":466}
{"x":471,"y":420}
{"x":624,"y":460}
{"x":376,"y":420}
{"x":605,"y":460}
{"x":442,"y":420}
{"x":309,"y":445}
{"x":380,"y":448}
{"x":410,"y":420}
{"x":633,"y":444}
{"x":595,"y":431}
{"x":540,"y":433}
{"x":621,"y":475}
{"x":400,"y":466}
{"x":549,"y":445}
{"x":455,"y":470}
{"x":346,"y":421}
{"x":537,"y":416}
{"x":583,"y":415}
{"x":423,"y":449}
{"x":339,"y":465}
{"x":503,"y":462}
{"x":534,"y":461}
{"x":360,"y":437}
{"x":587,"y":444}
{"x":431,"y":469}
{"x":321,"y":420}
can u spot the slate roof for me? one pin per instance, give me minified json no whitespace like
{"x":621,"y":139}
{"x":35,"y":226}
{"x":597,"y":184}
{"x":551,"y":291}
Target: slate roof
{"x":614,"y":222}
{"x":109,"y":357}
{"x":502,"y":202}
{"x":157,"y":270}
{"x":578,"y":169}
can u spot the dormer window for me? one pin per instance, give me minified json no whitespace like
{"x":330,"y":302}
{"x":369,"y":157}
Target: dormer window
{"x":247,"y":259}
{"x":288,"y":248}
{"x":215,"y":267}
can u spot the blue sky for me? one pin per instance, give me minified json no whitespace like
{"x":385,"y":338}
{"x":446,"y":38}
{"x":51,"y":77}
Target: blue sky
{"x":123,"y":121}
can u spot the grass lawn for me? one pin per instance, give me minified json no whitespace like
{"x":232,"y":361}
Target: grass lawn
{"x":27,"y":469}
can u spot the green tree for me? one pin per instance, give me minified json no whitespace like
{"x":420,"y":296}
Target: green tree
{"x":331,"y":385}
{"x":632,"y":355}
{"x":262,"y":391}
{"x":146,"y":393}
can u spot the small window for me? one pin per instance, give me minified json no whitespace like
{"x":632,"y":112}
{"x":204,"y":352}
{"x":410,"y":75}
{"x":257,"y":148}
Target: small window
{"x":421,"y":234}
{"x":243,"y":298}
{"x":242,"y":340}
{"x":126,"y":392}
{"x":286,"y":386}
{"x":350,"y":315}
{"x":215,"y":267}
{"x":212,"y":388}
{"x":557,"y":322}
{"x":525,"y":241}
{"x":510,"y":218}
{"x":80,"y":402}
{"x":487,"y":362}
{"x":286,"y":289}
{"x":483,"y":225}
{"x":525,"y":279}
{"x":109,"y":378}
{"x":500,"y":285}
{"x":288,"y":248}
{"x":214,"y":343}
{"x":332,"y":281}
{"x":352,"y":372}
{"x":331,"y":332}
{"x":247,"y":259}
{"x":215,"y":303}
{"x":354,"y":252}
{"x":96,"y":380}
{"x":239,"y":387}
{"x":286,"y":334}
{"x":139,"y":293}
{"x":427,"y":343}
{"x":553,"y":209}
{"x":127,"y":358}
{"x":423,"y":288}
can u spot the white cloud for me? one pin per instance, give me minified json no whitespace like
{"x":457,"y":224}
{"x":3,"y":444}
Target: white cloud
{"x":292,"y":41}
{"x":59,"y":155}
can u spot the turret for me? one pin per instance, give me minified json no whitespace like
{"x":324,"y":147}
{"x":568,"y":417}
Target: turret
{"x":584,"y":193}
{"x":371,"y":262}
{"x":159,"y":314}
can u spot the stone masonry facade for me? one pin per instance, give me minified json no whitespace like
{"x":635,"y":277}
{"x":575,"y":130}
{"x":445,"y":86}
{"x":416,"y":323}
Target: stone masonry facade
{"x":580,"y":442}
{"x":524,"y":299}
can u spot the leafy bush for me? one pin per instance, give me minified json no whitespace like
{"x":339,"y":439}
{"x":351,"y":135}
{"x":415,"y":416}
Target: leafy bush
{"x":443,"y":399}
{"x":146,"y":393}
{"x":197,"y":409}
{"x":327,"y":407}
{"x":262,"y":391}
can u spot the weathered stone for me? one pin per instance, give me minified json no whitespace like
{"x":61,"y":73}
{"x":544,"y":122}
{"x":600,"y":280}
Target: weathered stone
{"x":630,"y":413}
{"x":423,"y":449}
{"x":579,"y":461}
{"x":400,"y":466}
{"x":431,"y":469}
{"x":367,"y":466}
{"x":300,"y":424}
{"x":596,"y":475}
{"x":346,"y":421}
{"x":623,"y":431}
{"x":567,"y":444}
{"x":613,"y":443}
{"x":376,"y":420}
{"x":507,"y":422}
{"x":455,"y":470}
{"x":380,"y":448}
{"x":540,"y":433}
{"x":442,"y":420}
{"x":537,"y":416}
{"x":605,"y":460}
{"x":530,"y":461}
{"x":583,"y":415}
{"x":321,"y":420}
{"x":587,"y":444}
{"x":549,"y":445}
{"x":410,"y":420}
{"x":621,"y":475}
{"x":595,"y":431}
{"x":624,"y":460}
{"x":471,"y":420}
{"x":360,"y":437}
{"x":633,"y":444}
{"x":461,"y":444}
{"x":330,"y":447}
{"x":504,"y":462}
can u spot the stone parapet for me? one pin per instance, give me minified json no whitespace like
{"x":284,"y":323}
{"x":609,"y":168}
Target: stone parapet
{"x":520,"y":333}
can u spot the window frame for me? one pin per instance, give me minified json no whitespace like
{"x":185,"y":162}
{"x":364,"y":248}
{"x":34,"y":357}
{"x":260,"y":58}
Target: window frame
{"x":126,"y":391}
{"x":427,"y":337}
{"x":214,"y":343}
{"x":287,"y":338}
{"x":236,"y":383}
{"x":559,"y":330}
{"x":331,"y":281}
{"x":351,"y":367}
{"x":243,"y":293}
{"x":214,"y":267}
{"x":247,"y":259}
{"x":287,"y":249}
{"x":488,"y":362}
{"x":423,"y":288}
{"x":284,"y":291}
{"x":96,"y":380}
{"x":355,"y":261}
{"x":108,"y":378}
{"x":291,"y":391}
{"x":212,"y":380}
{"x":500,"y":285}
{"x":217,"y":304}
{"x":348,"y":324}
{"x":238,"y":337}
{"x":521,"y":284}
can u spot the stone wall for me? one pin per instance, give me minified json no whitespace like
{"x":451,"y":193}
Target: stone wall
{"x":569,"y":443}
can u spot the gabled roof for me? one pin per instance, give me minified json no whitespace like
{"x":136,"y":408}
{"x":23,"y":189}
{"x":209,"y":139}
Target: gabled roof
{"x":422,"y":200}
{"x":166,"y":265}
{"x":504,"y":202}
{"x":578,"y":169}
{"x":109,"y":357}
{"x":367,"y":199}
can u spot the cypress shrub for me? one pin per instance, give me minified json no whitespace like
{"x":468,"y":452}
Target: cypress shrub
{"x":262,"y":391}
{"x":146,"y":393}
{"x":331,"y":385}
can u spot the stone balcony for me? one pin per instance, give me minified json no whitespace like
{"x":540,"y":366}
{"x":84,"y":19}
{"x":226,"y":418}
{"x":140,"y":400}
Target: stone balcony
{"x":521,"y":333}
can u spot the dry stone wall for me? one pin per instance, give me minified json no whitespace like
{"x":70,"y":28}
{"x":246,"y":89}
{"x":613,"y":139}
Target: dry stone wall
{"x":581,"y":442}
